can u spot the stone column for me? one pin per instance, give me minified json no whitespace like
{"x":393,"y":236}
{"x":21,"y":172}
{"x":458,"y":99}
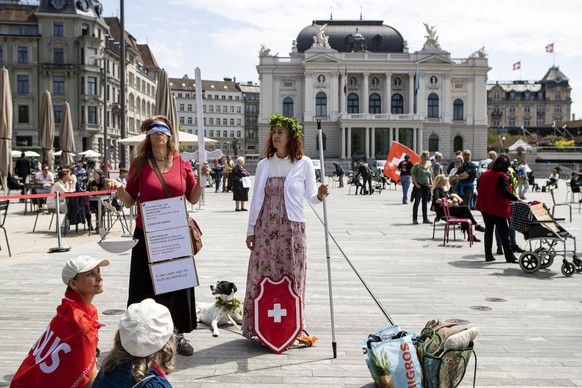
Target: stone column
{"x":373,"y":146}
{"x":349,"y":150}
{"x":343,"y":94}
{"x":414,"y":140}
{"x":367,"y":147}
{"x":387,"y":94}
{"x":343,"y":142}
{"x":411,"y":93}
{"x":309,"y":111}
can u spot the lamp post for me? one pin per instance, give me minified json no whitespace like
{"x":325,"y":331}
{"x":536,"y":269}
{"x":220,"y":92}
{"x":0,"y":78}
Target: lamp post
{"x":503,"y":144}
{"x":105,"y":134}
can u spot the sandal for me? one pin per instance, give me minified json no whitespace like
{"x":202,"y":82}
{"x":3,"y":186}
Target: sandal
{"x":304,"y":341}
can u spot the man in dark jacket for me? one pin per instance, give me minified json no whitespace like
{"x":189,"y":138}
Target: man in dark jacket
{"x":22,"y":169}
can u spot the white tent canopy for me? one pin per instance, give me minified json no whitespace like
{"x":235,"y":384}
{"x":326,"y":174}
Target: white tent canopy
{"x":185,"y":139}
{"x":520,"y":143}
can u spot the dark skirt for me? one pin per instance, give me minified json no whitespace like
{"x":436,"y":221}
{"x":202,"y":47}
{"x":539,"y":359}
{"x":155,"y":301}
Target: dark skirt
{"x":240,"y":193}
{"x":181,"y":303}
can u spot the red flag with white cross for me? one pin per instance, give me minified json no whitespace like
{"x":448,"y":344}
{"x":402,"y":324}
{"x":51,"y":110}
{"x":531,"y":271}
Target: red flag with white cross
{"x":395,"y":156}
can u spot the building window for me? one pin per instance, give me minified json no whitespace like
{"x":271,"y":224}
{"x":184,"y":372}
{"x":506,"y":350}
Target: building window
{"x":511,"y":109}
{"x":224,"y":121}
{"x":558,"y":109}
{"x":458,"y":143}
{"x":58,"y":55}
{"x":353,"y":81}
{"x":511,"y":123}
{"x":92,"y":85}
{"x":558,"y":95}
{"x":526,"y":109}
{"x":540,"y":110}
{"x":22,"y":54}
{"x":22,"y":85}
{"x":232,"y":109}
{"x":58,"y":85}
{"x":397,"y":104}
{"x":353,"y":103}
{"x":224,"y":133}
{"x":211,"y":108}
{"x":58,"y":29}
{"x":218,"y":109}
{"x":211,"y":121}
{"x":321,"y":104}
{"x":231,"y":121}
{"x":23,"y":141}
{"x":433,"y":143}
{"x":433,"y":106}
{"x":58,"y":112}
{"x":92,"y":115}
{"x":458,"y":108}
{"x":288,"y":107}
{"x":496,"y":95}
{"x":526,"y":123}
{"x":375,"y":81}
{"x":189,"y":107}
{"x":375,"y":103}
{"x":23,"y":114}
{"x":397,"y":81}
{"x":189,"y":120}
{"x":181,"y":107}
{"x":496,"y":110}
{"x":238,"y":109}
{"x":539,"y":121}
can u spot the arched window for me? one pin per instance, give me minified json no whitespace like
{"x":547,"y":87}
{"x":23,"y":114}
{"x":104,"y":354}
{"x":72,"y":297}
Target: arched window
{"x":397,"y":104}
{"x":321,"y":104}
{"x":288,"y":107}
{"x":458,"y":143}
{"x":433,"y":105}
{"x":433,"y":143}
{"x":353,"y":103}
{"x":375,"y":103}
{"x":458,"y":109}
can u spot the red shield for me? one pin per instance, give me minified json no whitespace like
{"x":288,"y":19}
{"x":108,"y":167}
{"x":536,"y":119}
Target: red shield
{"x":277,"y":313}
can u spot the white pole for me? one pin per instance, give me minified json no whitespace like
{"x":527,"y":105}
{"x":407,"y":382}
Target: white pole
{"x":200,"y":118}
{"x":60,"y":248}
{"x":327,"y":255}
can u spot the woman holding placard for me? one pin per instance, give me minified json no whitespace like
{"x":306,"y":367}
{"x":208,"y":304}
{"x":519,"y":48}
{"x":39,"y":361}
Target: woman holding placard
{"x":158,"y":152}
{"x":241,"y":184}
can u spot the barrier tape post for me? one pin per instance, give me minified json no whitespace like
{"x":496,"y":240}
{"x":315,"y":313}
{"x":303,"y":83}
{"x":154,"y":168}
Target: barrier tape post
{"x":60,"y":248}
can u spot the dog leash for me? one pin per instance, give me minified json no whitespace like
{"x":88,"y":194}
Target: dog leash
{"x":232,"y":321}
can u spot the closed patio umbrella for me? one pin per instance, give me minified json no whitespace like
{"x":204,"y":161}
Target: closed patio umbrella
{"x":185,"y":139}
{"x":66,"y":139}
{"x":47,"y":129}
{"x":5,"y":127}
{"x":166,"y":103}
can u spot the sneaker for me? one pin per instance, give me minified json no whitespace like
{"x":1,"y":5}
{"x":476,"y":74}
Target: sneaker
{"x":499,"y":250}
{"x":183,"y":346}
{"x":475,"y":239}
{"x":426,"y":221}
{"x":415,"y":222}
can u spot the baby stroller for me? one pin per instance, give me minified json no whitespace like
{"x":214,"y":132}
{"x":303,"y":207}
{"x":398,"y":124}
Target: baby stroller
{"x":546,"y":239}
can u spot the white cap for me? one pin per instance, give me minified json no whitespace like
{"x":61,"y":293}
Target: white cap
{"x":79,"y":264}
{"x":145,"y":328}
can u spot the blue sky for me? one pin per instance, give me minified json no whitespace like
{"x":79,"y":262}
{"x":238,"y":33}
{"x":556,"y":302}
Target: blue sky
{"x":223,"y":37}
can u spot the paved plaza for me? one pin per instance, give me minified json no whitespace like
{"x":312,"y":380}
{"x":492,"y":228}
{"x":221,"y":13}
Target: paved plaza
{"x":530,"y":324}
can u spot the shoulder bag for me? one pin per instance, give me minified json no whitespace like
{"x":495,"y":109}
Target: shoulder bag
{"x":195,"y":231}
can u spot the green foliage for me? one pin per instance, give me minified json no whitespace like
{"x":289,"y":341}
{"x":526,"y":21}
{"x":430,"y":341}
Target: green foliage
{"x":286,"y":122}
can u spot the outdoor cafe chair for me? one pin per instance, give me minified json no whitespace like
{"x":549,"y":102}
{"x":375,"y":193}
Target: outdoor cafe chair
{"x":452,"y":221}
{"x":3,"y":212}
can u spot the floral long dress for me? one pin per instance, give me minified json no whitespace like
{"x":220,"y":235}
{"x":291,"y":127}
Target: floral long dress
{"x":280,"y":248}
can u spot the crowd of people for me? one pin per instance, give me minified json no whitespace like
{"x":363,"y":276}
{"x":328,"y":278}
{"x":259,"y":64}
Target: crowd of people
{"x":152,"y":329}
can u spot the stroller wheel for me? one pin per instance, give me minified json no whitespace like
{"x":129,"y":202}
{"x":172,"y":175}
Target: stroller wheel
{"x":546,"y":257}
{"x":529,"y":262}
{"x":568,"y":268}
{"x":577,"y":264}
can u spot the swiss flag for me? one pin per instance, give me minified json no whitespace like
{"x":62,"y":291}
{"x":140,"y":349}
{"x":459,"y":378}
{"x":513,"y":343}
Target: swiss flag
{"x":550,"y":48}
{"x":517,"y":65}
{"x":395,"y":156}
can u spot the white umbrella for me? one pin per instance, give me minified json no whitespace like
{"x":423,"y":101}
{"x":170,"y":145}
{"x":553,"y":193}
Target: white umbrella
{"x":185,"y":139}
{"x":5,"y":126}
{"x":90,"y":154}
{"x":28,"y":154}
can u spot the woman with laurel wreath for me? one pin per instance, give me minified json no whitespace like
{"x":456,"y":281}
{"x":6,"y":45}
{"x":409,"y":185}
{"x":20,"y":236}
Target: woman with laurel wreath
{"x":276,"y":226}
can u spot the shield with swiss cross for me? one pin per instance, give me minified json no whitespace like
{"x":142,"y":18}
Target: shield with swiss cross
{"x":277,"y":313}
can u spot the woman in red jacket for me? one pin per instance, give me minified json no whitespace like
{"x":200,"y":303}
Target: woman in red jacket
{"x":493,"y":201}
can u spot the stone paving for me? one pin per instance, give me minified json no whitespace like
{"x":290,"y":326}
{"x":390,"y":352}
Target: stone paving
{"x":531,"y":324}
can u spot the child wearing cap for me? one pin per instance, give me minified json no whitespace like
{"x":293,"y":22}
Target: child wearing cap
{"x":144,"y":348}
{"x":65,"y":354}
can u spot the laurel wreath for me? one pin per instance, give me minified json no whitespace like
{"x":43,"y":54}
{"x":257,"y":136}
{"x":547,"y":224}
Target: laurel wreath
{"x":230,"y":305}
{"x":286,"y":122}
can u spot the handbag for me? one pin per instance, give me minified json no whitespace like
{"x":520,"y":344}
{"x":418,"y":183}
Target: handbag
{"x":444,"y":350}
{"x":392,"y":359}
{"x":195,"y":231}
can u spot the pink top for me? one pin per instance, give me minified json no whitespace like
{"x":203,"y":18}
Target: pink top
{"x":180,"y":181}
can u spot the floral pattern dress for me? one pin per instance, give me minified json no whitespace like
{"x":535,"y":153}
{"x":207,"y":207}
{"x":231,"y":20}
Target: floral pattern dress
{"x":280,"y":248}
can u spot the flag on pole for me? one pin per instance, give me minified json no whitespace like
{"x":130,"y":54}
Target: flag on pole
{"x":517,"y":65}
{"x":346,"y":80}
{"x":550,"y":48}
{"x":395,"y":156}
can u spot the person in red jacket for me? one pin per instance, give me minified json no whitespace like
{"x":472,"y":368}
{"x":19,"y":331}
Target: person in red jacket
{"x":493,"y":201}
{"x":65,"y":355}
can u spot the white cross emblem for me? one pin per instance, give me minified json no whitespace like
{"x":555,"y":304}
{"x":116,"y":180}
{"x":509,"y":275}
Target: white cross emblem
{"x":277,"y":312}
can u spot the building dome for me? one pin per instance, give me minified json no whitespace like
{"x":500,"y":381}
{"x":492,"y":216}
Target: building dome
{"x":343,"y":33}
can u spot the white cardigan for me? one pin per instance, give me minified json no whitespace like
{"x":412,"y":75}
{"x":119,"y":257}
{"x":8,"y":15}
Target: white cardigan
{"x":299,"y":182}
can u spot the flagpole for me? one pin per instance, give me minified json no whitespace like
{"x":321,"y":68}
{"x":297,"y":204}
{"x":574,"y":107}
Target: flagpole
{"x":201,"y":147}
{"x":327,"y":255}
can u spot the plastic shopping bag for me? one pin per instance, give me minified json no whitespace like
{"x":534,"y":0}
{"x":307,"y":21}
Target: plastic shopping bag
{"x":391,"y":358}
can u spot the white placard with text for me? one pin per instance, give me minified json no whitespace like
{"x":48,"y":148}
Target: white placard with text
{"x":164,"y":214}
{"x":174,"y":275}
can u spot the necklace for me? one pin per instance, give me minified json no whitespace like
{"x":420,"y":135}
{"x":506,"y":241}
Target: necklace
{"x":162,"y":158}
